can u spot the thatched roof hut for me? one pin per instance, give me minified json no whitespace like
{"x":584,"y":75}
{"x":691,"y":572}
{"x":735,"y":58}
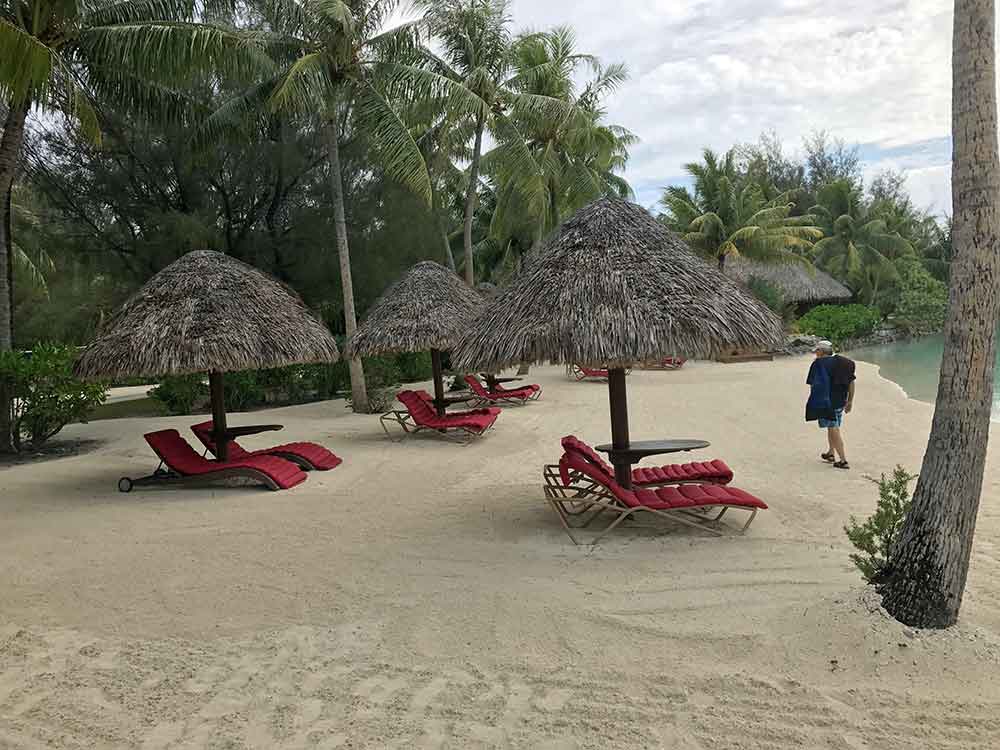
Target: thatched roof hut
{"x":613,"y":287}
{"x":798,"y":283}
{"x":207,"y":312}
{"x":427,"y":309}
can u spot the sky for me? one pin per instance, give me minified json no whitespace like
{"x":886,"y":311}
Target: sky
{"x":711,"y":73}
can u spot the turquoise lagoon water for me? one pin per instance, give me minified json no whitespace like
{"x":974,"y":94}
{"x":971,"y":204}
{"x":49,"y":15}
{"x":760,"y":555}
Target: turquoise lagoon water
{"x":914,"y":366}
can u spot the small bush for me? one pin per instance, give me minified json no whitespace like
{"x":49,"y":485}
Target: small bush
{"x":46,"y":396}
{"x":414,"y":366}
{"x":181,"y":394}
{"x":840,"y":323}
{"x":922,"y":301}
{"x":767,"y":293}
{"x":875,"y":537}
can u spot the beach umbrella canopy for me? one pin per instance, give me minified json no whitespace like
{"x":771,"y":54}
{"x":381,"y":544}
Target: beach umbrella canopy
{"x":611,"y":288}
{"x":427,"y":309}
{"x":207,"y":312}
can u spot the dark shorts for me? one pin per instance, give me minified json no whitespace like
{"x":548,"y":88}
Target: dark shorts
{"x":837,"y":421}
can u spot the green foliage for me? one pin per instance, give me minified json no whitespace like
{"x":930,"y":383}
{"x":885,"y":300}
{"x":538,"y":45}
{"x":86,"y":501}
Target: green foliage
{"x":46,"y":396}
{"x":767,"y":293}
{"x":383,"y":376}
{"x":414,"y":366}
{"x":181,"y":394}
{"x":875,"y":537}
{"x":840,"y":323}
{"x":922,"y":302}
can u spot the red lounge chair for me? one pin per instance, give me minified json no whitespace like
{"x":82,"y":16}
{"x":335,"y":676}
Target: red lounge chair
{"x":696,"y":472}
{"x":579,"y":505}
{"x":308,"y":456}
{"x":579,"y":372}
{"x":462,"y":427}
{"x":183,"y":464}
{"x":517,"y":396}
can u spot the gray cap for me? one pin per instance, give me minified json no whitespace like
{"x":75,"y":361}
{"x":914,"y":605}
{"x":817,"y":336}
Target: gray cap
{"x":824,"y":346}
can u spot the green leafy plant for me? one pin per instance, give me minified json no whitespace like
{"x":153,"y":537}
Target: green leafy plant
{"x":46,"y":396}
{"x":840,"y":323}
{"x":875,"y":537}
{"x":414,"y":366}
{"x":923,"y":300}
{"x":181,"y":394}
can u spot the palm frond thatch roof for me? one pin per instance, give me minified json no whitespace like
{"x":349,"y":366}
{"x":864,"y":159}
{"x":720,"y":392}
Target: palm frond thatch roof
{"x":207,"y":312}
{"x":426,"y":309}
{"x":797,"y":282}
{"x":613,"y":287}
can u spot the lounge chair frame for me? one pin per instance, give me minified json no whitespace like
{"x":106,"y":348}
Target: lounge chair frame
{"x":164,"y":475}
{"x":578,"y":505}
{"x":402,"y":418}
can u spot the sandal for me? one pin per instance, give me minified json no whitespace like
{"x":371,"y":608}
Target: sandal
{"x":828,"y":457}
{"x":841,"y":465}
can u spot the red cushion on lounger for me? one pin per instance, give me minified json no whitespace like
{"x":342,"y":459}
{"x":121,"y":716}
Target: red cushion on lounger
{"x":178,"y":454}
{"x":424,"y":415}
{"x":715,"y":470}
{"x":667,"y":498}
{"x":316,"y":455}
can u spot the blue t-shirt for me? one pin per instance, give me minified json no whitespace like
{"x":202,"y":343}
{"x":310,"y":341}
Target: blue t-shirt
{"x":820,"y":379}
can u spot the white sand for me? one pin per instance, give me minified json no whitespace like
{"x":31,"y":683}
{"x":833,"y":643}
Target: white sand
{"x":422,"y":595}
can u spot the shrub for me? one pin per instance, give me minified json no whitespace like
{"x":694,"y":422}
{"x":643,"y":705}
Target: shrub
{"x":839,"y":323}
{"x":875,"y":537}
{"x":414,"y":366}
{"x":767,"y":293}
{"x":46,"y":396}
{"x":922,"y":302}
{"x":181,"y":393}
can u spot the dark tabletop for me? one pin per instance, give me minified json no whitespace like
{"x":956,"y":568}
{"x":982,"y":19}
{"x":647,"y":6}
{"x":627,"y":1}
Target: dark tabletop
{"x":234,"y":432}
{"x":500,"y":380}
{"x":640,"y":449}
{"x":449,"y":400}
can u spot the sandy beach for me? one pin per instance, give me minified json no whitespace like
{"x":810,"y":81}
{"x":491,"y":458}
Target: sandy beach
{"x":423,"y":595}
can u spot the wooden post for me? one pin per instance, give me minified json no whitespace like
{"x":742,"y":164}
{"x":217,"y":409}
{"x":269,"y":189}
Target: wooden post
{"x":618,"y":397}
{"x":218,"y":415}
{"x":438,"y":371}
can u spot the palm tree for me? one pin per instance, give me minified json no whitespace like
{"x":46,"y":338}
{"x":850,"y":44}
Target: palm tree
{"x":58,"y":56}
{"x":478,"y":54}
{"x":930,"y":562}
{"x":570,"y":160}
{"x":339,"y":60}
{"x":858,"y":248}
{"x":723,"y":218}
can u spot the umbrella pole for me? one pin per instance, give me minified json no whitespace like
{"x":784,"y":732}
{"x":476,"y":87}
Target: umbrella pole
{"x":438,"y":371}
{"x":218,"y":415}
{"x":618,"y":397}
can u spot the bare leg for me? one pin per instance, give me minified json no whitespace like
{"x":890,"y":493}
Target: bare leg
{"x":837,"y":442}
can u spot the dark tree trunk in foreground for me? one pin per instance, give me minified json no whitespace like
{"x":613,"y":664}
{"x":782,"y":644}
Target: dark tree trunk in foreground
{"x":10,"y":150}
{"x":359,"y":390}
{"x":471,"y":197}
{"x":930,"y":563}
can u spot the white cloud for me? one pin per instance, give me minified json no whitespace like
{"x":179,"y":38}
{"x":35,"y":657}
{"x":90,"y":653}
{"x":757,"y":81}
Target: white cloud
{"x":715,"y":72}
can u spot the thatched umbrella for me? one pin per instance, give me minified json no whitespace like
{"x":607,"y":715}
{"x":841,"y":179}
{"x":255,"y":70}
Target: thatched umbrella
{"x":427,"y":309}
{"x":799,"y":283}
{"x":207,"y":312}
{"x":614,"y":287}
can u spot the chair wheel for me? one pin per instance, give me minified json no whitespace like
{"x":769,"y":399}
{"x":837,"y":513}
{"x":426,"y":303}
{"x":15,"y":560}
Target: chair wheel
{"x":124,"y":484}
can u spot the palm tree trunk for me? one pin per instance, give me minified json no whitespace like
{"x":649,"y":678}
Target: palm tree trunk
{"x":928,"y":567}
{"x":442,"y":230}
{"x":10,"y":150}
{"x":359,"y":391}
{"x":471,"y":196}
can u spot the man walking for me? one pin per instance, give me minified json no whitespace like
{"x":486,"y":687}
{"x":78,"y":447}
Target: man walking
{"x":831,"y":380}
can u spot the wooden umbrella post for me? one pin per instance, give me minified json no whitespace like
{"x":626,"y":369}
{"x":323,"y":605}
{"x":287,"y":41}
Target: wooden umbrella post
{"x":218,"y":415}
{"x":438,"y":371}
{"x":618,"y":397}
